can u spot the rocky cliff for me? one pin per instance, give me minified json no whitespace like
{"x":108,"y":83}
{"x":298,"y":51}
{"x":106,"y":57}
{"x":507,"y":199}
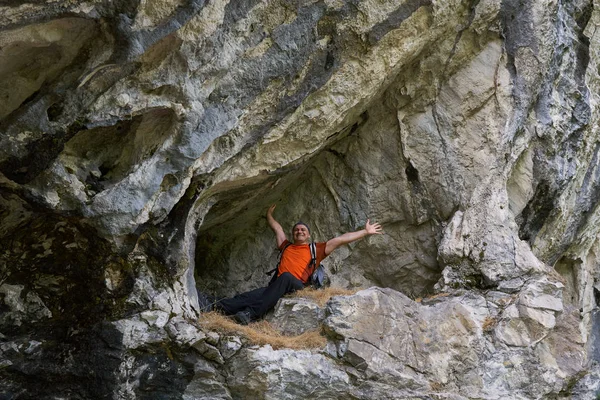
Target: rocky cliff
{"x":141,"y":142}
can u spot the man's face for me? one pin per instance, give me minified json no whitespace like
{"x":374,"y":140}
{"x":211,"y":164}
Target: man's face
{"x":301,"y":234}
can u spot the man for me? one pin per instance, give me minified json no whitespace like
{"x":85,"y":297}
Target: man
{"x":293,"y":272}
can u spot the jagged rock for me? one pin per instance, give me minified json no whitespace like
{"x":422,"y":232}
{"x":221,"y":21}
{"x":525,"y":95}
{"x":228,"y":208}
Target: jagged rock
{"x":209,"y":352}
{"x":183,"y":332}
{"x":293,"y":316}
{"x":443,"y":343}
{"x":286,"y":374}
{"x":229,"y":346}
{"x":392,"y":339}
{"x":21,"y":307}
{"x":213,"y":338}
{"x":533,"y":315}
{"x":156,"y":318}
{"x":138,"y":333}
{"x":206,"y":384}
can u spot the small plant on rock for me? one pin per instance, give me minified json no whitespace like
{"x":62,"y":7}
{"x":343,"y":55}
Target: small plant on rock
{"x":489,"y":323}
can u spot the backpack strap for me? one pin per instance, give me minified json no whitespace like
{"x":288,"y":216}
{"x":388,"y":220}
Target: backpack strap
{"x":316,"y":272}
{"x":274,"y":270}
{"x":313,"y":255}
{"x":312,"y":264}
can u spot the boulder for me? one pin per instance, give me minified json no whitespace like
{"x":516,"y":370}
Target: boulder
{"x":294,"y":316}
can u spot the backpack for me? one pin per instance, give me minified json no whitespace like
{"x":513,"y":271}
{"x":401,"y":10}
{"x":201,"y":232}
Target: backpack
{"x":317,"y":277}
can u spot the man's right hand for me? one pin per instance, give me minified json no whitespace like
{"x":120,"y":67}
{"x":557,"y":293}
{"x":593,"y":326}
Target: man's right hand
{"x":275,"y":227}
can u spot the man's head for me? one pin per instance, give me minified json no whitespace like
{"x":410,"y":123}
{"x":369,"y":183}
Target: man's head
{"x":301,"y":233}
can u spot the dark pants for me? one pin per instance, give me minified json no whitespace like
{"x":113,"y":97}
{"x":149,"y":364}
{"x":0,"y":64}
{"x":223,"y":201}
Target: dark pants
{"x":259,"y":301}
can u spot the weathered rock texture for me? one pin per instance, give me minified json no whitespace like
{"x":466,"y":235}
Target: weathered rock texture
{"x":142,"y":141}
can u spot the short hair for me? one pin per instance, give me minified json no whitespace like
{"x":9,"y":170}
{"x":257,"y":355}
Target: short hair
{"x":300,"y":223}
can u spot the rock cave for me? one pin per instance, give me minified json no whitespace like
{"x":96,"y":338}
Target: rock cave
{"x":142,"y":141}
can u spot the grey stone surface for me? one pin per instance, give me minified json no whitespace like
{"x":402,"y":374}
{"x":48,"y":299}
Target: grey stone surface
{"x":21,"y":307}
{"x":286,"y":374}
{"x":206,"y":384}
{"x":294,"y":316}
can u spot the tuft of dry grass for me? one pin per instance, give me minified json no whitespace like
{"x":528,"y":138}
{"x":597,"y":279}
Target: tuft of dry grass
{"x":432,"y":297}
{"x":262,"y":332}
{"x":436,"y":386}
{"x":322,"y":296}
{"x":489,"y":323}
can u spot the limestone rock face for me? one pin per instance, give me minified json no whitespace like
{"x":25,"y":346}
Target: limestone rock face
{"x":296,"y":316}
{"x":141,"y":143}
{"x":442,"y":344}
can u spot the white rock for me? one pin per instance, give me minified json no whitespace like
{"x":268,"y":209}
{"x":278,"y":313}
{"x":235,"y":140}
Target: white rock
{"x":183,"y":332}
{"x":156,"y":317}
{"x":293,"y":316}
{"x":544,"y":317}
{"x":229,"y":346}
{"x":138,"y":333}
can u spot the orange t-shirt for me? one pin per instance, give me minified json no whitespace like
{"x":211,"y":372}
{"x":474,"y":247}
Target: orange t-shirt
{"x":296,"y":257}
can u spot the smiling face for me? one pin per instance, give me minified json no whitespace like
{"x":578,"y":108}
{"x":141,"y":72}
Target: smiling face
{"x":300,"y":234}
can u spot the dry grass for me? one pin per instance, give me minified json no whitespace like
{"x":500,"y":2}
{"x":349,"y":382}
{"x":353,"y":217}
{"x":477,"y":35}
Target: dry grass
{"x":262,"y":332}
{"x":432,"y":297}
{"x":489,"y":323}
{"x":322,"y":296}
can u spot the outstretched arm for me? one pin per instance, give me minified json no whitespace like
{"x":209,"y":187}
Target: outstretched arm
{"x":370,"y":229}
{"x":277,"y":229}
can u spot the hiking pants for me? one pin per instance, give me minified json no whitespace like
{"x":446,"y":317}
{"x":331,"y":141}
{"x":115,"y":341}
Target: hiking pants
{"x":259,"y":301}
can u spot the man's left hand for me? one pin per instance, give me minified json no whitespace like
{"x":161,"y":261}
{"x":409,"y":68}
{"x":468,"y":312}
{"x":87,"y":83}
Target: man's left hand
{"x":373,"y":229}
